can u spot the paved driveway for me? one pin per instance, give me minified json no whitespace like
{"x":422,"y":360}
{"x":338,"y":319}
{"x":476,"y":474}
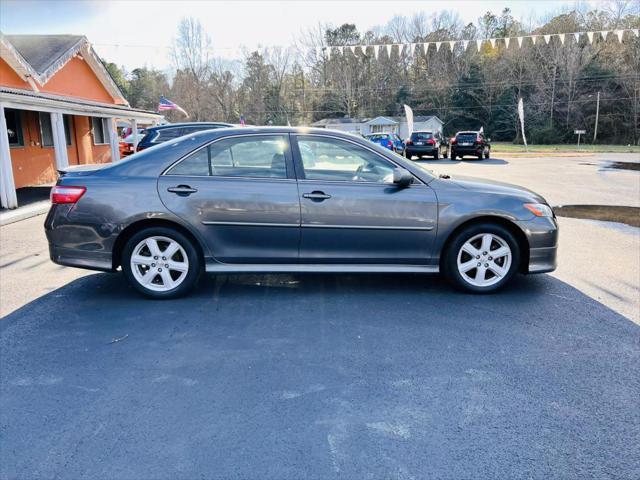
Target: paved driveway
{"x":323,"y":376}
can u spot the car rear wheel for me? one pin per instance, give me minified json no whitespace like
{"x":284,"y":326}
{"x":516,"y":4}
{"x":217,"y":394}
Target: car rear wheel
{"x":161,"y":262}
{"x":436,"y":155}
{"x":453,"y":156}
{"x":487,"y":153}
{"x":482,"y":258}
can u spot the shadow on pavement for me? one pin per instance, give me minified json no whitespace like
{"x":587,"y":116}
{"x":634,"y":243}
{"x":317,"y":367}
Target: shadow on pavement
{"x":319,"y":376}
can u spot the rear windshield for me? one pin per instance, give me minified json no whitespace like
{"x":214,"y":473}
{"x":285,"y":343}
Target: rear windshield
{"x":421,"y":136}
{"x":466,"y":137}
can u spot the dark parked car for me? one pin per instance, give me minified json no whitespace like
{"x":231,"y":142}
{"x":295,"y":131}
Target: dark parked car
{"x":392,"y":141}
{"x":471,"y":144}
{"x":420,"y":144}
{"x":291,"y":200}
{"x":171,"y":131}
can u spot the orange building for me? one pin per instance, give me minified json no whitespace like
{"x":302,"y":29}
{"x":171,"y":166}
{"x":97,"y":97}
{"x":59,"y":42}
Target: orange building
{"x":58,"y":107}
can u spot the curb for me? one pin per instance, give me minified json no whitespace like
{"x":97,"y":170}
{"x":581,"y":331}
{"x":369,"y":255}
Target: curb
{"x":23,"y":213}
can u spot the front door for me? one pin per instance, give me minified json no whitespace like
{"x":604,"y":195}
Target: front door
{"x":241,"y":194}
{"x":351,"y":212}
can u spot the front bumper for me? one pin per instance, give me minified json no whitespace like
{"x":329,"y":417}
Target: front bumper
{"x":542,"y":236}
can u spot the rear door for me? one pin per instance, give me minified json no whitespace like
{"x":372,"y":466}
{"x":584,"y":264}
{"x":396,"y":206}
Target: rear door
{"x":240,"y":192}
{"x":351,"y":212}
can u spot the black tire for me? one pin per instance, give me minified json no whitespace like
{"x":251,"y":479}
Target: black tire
{"x":487,"y":154}
{"x":452,"y":155}
{"x":436,"y":156}
{"x":480,"y":157}
{"x":449,"y":262}
{"x":194,"y":261}
{"x":446,"y":154}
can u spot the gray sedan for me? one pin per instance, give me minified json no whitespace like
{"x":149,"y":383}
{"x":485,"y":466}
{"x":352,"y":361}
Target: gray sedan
{"x":291,"y":200}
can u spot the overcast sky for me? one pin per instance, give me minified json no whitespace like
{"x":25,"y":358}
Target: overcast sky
{"x":137,"y":33}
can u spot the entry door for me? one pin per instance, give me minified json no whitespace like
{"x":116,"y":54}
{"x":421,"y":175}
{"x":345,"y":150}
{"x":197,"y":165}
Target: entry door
{"x":351,"y":212}
{"x":241,"y":194}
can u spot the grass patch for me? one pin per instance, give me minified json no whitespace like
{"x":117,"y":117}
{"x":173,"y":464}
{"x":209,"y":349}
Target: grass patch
{"x":507,"y":147}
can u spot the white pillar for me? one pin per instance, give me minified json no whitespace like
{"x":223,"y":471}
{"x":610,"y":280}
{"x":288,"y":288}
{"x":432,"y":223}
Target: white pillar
{"x":8,"y":197}
{"x":59,"y":141}
{"x":113,"y":139}
{"x":134,"y":130}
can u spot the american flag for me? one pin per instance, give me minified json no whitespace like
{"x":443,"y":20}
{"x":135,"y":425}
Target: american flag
{"x":169,"y":105}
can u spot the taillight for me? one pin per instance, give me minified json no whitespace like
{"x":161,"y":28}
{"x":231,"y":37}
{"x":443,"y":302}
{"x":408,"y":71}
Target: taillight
{"x":431,"y":141}
{"x":66,"y":194}
{"x":409,"y":142}
{"x":389,"y":143}
{"x":453,"y":140}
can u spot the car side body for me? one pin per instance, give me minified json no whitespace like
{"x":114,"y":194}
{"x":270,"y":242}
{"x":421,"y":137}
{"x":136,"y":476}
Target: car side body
{"x":284,"y":224}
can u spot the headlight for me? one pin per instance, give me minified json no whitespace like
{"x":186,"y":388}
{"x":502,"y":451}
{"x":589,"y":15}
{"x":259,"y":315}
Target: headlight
{"x":539,"y":209}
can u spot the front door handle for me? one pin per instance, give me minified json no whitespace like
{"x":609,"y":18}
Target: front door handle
{"x":316,"y":195}
{"x":182,"y":190}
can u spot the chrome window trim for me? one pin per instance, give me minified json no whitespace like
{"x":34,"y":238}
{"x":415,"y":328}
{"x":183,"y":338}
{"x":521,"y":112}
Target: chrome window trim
{"x":366,"y":147}
{"x":240,"y":135}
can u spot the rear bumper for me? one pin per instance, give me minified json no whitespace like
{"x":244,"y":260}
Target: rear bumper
{"x":467,"y":150}
{"x":72,"y":257}
{"x":421,"y":150}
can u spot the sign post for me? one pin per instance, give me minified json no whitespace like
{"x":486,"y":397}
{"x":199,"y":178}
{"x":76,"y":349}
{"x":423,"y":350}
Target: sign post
{"x":579,"y":132}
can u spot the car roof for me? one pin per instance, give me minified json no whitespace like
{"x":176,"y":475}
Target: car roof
{"x":422,"y":131}
{"x":189,"y":124}
{"x":469,"y":131}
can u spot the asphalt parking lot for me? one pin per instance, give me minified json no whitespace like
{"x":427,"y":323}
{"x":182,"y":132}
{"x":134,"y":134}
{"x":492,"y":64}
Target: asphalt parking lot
{"x":329,"y":376}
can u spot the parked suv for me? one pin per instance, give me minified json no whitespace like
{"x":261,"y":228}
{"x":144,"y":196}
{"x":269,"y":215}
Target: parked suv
{"x":424,"y":143}
{"x":470,"y":143}
{"x":162,"y":133}
{"x":392,"y":141}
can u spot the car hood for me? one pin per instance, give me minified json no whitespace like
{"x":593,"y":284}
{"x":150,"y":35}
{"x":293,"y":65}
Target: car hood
{"x":492,"y":186}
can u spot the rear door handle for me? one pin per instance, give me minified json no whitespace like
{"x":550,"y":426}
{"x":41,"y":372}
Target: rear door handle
{"x":316,"y":195}
{"x":182,"y":190}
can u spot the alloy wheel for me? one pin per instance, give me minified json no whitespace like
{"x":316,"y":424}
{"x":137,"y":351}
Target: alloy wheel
{"x":159,"y":263}
{"x":484,"y":260}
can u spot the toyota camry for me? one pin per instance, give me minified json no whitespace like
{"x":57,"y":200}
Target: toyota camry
{"x":271,"y":199}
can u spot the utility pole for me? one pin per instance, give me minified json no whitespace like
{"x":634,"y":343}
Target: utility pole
{"x":595,"y":130}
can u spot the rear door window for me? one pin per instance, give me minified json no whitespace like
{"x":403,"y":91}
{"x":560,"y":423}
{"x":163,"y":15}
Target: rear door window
{"x":262,"y":156}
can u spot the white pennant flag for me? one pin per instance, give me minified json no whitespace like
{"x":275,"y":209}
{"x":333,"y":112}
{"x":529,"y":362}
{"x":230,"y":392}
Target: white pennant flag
{"x":438,"y":46}
{"x":376,"y":51}
{"x":465,"y":44}
{"x":534,"y":39}
{"x":521,"y":115}
{"x":412,"y":49}
{"x":506,"y":42}
{"x":425,"y":48}
{"x":353,"y":49}
{"x":389,"y":47}
{"x":547,"y":39}
{"x":605,"y":34}
{"x":619,"y":34}
{"x":493,"y":42}
{"x":452,"y":44}
{"x":520,"y":42}
{"x":328,"y":53}
{"x":636,"y":32}
{"x":561,"y":37}
{"x":590,"y":37}
{"x":577,"y":37}
{"x":479,"y":44}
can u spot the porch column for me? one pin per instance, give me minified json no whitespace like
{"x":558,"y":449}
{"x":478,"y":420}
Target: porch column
{"x":113,"y":139}
{"x":59,"y":141}
{"x":8,"y":197}
{"x":134,"y":128}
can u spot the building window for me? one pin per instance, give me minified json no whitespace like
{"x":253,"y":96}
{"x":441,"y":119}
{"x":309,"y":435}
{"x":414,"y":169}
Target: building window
{"x":46,"y":129}
{"x":14,"y":127}
{"x":100,"y":130}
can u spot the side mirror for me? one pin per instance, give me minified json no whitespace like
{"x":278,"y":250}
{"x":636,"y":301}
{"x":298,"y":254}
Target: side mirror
{"x":402,"y":177}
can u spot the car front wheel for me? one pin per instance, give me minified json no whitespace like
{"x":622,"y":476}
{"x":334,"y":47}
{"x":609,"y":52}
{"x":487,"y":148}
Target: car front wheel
{"x":161,"y":262}
{"x":482,"y":258}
